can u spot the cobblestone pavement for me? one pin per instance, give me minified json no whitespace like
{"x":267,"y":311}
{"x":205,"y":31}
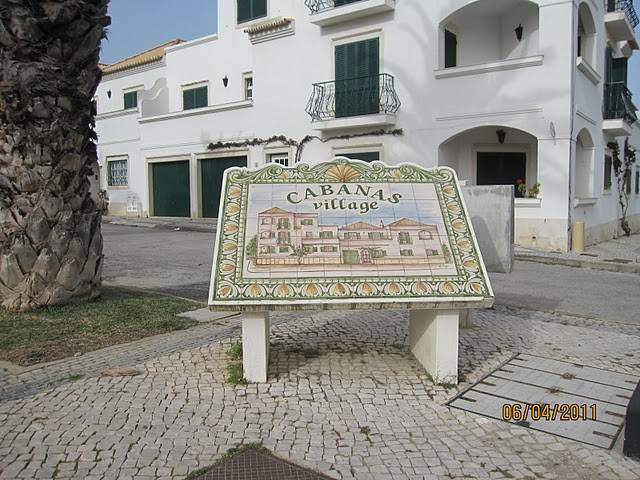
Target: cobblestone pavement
{"x":344,"y":396}
{"x":19,"y":382}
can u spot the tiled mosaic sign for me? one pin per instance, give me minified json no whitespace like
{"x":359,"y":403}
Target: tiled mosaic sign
{"x":345,"y":234}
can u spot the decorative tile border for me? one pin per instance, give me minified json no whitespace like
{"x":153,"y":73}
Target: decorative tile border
{"x":231,"y":289}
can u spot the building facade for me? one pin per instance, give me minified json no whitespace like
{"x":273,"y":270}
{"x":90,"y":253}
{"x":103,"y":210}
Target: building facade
{"x":522,"y":92}
{"x":289,"y":238}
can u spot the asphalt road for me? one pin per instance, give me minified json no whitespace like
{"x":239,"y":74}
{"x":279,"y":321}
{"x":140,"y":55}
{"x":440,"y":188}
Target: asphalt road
{"x":179,"y":262}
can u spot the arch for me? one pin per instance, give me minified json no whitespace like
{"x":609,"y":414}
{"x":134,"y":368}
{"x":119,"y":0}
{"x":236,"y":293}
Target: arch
{"x":483,"y":31}
{"x":584,"y":176}
{"x":480,"y":157}
{"x":586,"y":34}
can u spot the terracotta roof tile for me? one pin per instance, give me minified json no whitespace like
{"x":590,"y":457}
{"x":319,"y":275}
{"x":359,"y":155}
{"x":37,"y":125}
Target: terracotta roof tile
{"x":406,"y":222}
{"x":274,"y":210}
{"x":152,"y":55}
{"x":360,"y":226}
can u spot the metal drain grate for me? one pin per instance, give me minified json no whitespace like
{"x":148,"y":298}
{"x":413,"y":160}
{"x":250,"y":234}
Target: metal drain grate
{"x":258,"y":464}
{"x":556,"y":397}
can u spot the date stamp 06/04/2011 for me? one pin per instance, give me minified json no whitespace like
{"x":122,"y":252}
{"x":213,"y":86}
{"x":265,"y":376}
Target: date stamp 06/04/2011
{"x":564,"y":412}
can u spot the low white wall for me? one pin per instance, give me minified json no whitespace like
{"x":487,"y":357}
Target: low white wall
{"x":491,"y":209}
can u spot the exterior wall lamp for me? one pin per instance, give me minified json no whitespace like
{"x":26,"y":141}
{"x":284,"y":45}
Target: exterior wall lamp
{"x":519,"y":29}
{"x":501,"y":136}
{"x":109,"y":93}
{"x":225,"y":81}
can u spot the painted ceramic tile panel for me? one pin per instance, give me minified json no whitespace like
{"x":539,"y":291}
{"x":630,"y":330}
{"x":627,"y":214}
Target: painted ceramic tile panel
{"x":344,"y":232}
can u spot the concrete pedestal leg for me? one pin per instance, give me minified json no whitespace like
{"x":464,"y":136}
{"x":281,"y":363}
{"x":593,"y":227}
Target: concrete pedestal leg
{"x":433,"y":339}
{"x":255,"y":346}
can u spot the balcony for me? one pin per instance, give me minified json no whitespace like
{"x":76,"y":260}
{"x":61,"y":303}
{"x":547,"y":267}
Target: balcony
{"x":619,"y":111}
{"x":621,"y":18}
{"x":369,"y":101}
{"x":330,"y":12}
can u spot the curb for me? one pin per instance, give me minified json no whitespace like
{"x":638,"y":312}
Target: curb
{"x":185,"y":227}
{"x":576,"y":263}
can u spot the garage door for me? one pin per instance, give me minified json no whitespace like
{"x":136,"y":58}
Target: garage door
{"x":171,"y":189}
{"x":211,"y":171}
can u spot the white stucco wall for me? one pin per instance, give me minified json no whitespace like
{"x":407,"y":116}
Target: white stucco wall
{"x":546,"y":97}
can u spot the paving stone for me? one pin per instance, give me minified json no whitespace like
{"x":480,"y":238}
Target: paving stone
{"x":344,"y":397}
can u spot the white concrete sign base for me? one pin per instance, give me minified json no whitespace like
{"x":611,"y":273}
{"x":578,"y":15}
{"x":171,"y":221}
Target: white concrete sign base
{"x":255,"y":346}
{"x":433,"y":340}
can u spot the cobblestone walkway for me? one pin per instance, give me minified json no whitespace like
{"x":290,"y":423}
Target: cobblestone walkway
{"x":31,"y":380}
{"x":344,"y":396}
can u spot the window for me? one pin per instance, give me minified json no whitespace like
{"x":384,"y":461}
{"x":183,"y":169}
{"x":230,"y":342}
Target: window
{"x":404,"y":238}
{"x":309,"y":234}
{"x":425,"y":235}
{"x":607,"y":172}
{"x":357,"y":82}
{"x":283,"y":224}
{"x":117,"y":173}
{"x":628,"y":182}
{"x":251,"y":9}
{"x":502,"y":168}
{"x":378,"y":253}
{"x":376,"y":235}
{"x":406,"y":253}
{"x":364,"y":156}
{"x":284,"y":237}
{"x":352,"y":235}
{"x":267,"y":235}
{"x":130,"y":100}
{"x":195,"y":97}
{"x":279,"y":158}
{"x":450,"y":49}
{"x":248,"y":87}
{"x":328,"y":249}
{"x":266,"y":221}
{"x":326,"y":234}
{"x":637,"y":181}
{"x":307,"y":222}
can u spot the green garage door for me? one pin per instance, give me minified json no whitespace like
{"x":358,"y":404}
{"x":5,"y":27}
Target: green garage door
{"x":211,"y":172}
{"x":171,"y":189}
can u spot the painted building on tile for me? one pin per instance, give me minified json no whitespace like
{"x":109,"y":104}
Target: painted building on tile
{"x":531,"y":93}
{"x":286,"y":237}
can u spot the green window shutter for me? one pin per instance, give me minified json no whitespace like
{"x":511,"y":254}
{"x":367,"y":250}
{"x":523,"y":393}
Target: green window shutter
{"x":259,"y":9}
{"x":130,"y":100}
{"x":188,"y":100}
{"x":357,"y":68}
{"x":201,"y":97}
{"x":365,"y":156}
{"x":251,"y":9}
{"x":244,"y":10}
{"x":195,"y":98}
{"x":450,"y":49}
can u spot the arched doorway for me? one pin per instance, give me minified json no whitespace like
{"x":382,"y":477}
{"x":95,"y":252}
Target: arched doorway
{"x":493,"y":155}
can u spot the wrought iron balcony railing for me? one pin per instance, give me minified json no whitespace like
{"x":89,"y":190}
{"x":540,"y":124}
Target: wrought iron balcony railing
{"x":317,"y":6}
{"x":618,"y":103}
{"x":353,"y":97}
{"x":625,"y":6}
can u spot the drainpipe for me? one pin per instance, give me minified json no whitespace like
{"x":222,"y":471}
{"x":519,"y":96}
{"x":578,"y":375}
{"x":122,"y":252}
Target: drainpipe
{"x":574,"y":32}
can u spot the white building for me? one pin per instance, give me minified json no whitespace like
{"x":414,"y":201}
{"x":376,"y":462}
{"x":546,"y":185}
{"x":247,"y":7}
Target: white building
{"x":504,"y":91}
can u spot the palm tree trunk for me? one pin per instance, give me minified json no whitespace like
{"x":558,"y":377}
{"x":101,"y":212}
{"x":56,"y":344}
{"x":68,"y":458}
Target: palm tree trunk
{"x":50,"y":239}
